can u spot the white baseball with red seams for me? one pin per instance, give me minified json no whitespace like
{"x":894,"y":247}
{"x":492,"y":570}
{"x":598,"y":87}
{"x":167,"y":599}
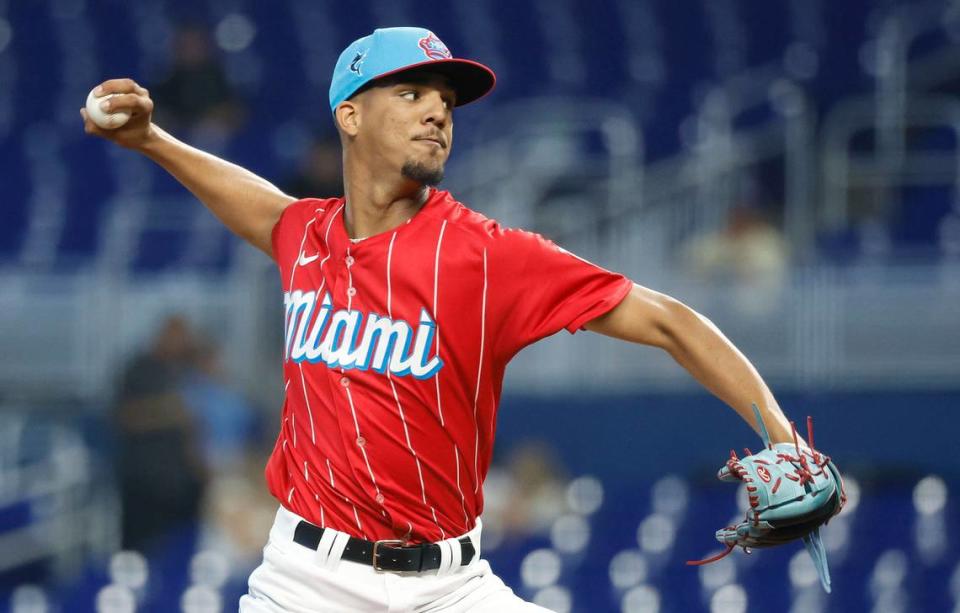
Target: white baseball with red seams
{"x":105,"y":120}
{"x":395,"y":350}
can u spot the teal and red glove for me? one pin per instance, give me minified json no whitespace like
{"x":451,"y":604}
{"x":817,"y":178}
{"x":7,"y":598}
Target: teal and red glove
{"x":792,"y":491}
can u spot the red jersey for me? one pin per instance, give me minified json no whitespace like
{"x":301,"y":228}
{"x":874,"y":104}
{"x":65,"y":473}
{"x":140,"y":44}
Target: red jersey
{"x":394,"y":355}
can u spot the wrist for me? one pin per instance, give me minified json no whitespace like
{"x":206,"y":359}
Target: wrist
{"x":151,"y":142}
{"x":153,"y":137}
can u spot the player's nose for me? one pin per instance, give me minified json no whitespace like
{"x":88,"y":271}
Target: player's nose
{"x":436,"y":110}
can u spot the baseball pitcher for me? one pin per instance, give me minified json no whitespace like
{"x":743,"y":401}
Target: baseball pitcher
{"x":402,"y":309}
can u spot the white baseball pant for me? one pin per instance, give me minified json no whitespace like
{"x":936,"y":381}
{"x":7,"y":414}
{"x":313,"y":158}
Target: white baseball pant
{"x":295,"y":579}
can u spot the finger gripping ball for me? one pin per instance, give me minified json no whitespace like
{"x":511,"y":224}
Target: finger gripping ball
{"x":104,"y":119}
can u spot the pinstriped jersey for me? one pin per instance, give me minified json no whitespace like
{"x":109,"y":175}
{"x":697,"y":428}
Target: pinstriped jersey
{"x":394,"y":354}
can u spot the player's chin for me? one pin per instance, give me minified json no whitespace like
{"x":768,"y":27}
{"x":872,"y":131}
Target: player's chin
{"x":425,"y":172}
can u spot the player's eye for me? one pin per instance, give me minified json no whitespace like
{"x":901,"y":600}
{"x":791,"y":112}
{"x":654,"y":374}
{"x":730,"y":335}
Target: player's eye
{"x":409,"y":94}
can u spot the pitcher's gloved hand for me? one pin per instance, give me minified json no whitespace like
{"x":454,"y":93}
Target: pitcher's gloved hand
{"x":792,"y":491}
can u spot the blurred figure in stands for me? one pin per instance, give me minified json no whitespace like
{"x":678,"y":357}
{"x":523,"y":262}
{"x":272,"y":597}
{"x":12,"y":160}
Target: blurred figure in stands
{"x":319,"y":173}
{"x":160,"y":468}
{"x":195,"y":96}
{"x":237,"y":510}
{"x":227,"y":422}
{"x":748,"y":249}
{"x":750,"y":252}
{"x":524,"y":495}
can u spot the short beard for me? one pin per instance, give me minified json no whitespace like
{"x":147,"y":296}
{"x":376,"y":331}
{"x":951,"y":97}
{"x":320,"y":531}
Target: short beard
{"x":422,"y":174}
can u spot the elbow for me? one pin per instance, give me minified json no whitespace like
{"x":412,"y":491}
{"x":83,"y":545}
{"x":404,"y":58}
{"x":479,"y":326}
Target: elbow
{"x":676,"y":321}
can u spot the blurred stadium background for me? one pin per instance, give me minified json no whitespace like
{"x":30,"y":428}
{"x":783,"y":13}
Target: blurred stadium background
{"x":788,"y":168}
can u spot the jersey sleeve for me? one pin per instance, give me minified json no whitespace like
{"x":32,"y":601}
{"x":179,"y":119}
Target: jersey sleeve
{"x":537,"y":288}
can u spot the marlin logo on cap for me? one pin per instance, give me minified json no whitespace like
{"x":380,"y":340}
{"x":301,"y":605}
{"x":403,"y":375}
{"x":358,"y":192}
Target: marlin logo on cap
{"x":434,"y":48}
{"x":355,"y":64}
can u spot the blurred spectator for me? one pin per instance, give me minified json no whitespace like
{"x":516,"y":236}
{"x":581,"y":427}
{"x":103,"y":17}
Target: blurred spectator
{"x":750,"y":252}
{"x":748,"y":249}
{"x":319,"y":173}
{"x":195,"y":96}
{"x":238,"y":511}
{"x":524,"y":496}
{"x":227,"y":421}
{"x":161,"y":471}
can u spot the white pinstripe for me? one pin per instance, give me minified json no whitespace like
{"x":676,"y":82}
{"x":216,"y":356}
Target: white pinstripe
{"x":357,"y":517}
{"x":436,"y":318}
{"x":306,"y":475}
{"x":306,"y":399}
{"x":290,"y":495}
{"x":363,"y":448}
{"x":293,"y":424}
{"x":326,"y":235}
{"x":303,"y":241}
{"x":323,"y":280}
{"x":443,"y":534}
{"x":393,"y":387}
{"x":326,"y":240}
{"x":476,"y":394}
{"x":389,"y":264}
{"x":406,"y":432}
{"x":463,"y":504}
{"x":293,"y":272}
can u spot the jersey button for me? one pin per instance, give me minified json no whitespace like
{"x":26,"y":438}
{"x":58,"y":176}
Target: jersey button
{"x":348,"y":260}
{"x":345,"y":381}
{"x":361,"y":441}
{"x":351,"y":291}
{"x":379,"y":498}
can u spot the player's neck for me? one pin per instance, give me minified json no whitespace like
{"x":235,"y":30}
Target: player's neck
{"x":374,"y":207}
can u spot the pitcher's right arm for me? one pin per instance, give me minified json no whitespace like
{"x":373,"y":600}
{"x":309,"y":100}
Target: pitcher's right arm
{"x":246,"y":203}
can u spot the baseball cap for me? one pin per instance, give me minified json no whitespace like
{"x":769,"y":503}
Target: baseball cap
{"x":389,"y":51}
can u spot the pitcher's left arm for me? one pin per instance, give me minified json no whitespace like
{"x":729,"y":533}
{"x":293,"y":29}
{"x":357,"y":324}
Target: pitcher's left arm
{"x":652,"y":318}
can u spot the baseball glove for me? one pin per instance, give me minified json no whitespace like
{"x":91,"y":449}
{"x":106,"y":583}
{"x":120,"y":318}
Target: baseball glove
{"x":792,"y":492}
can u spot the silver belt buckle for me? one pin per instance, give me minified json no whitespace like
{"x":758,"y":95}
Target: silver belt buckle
{"x":376,"y":545}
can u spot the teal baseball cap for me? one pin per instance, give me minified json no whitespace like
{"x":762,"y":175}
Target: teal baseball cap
{"x":389,"y":51}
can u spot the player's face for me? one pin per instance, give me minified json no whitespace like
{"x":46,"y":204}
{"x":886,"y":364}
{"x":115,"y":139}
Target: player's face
{"x":410,"y":122}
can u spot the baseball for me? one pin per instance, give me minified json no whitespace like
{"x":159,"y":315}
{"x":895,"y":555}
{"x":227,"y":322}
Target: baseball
{"x":107,"y":121}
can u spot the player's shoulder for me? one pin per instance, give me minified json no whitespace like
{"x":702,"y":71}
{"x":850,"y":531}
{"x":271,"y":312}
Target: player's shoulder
{"x":496,"y":237}
{"x":296,"y":215}
{"x":472,"y":224}
{"x":309,"y":208}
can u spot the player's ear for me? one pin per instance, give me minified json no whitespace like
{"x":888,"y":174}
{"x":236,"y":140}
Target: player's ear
{"x":348,"y":117}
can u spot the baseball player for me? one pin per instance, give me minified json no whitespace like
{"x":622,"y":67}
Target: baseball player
{"x":402,"y":309}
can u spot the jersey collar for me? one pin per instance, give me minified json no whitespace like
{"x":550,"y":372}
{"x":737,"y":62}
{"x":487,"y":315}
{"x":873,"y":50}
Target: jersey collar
{"x":338,"y":241}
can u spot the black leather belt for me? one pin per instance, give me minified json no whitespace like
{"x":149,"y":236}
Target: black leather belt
{"x":385,"y":555}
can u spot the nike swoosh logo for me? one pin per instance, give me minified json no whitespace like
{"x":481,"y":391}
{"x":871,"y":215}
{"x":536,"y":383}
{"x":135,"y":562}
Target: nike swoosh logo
{"x":304,"y":260}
